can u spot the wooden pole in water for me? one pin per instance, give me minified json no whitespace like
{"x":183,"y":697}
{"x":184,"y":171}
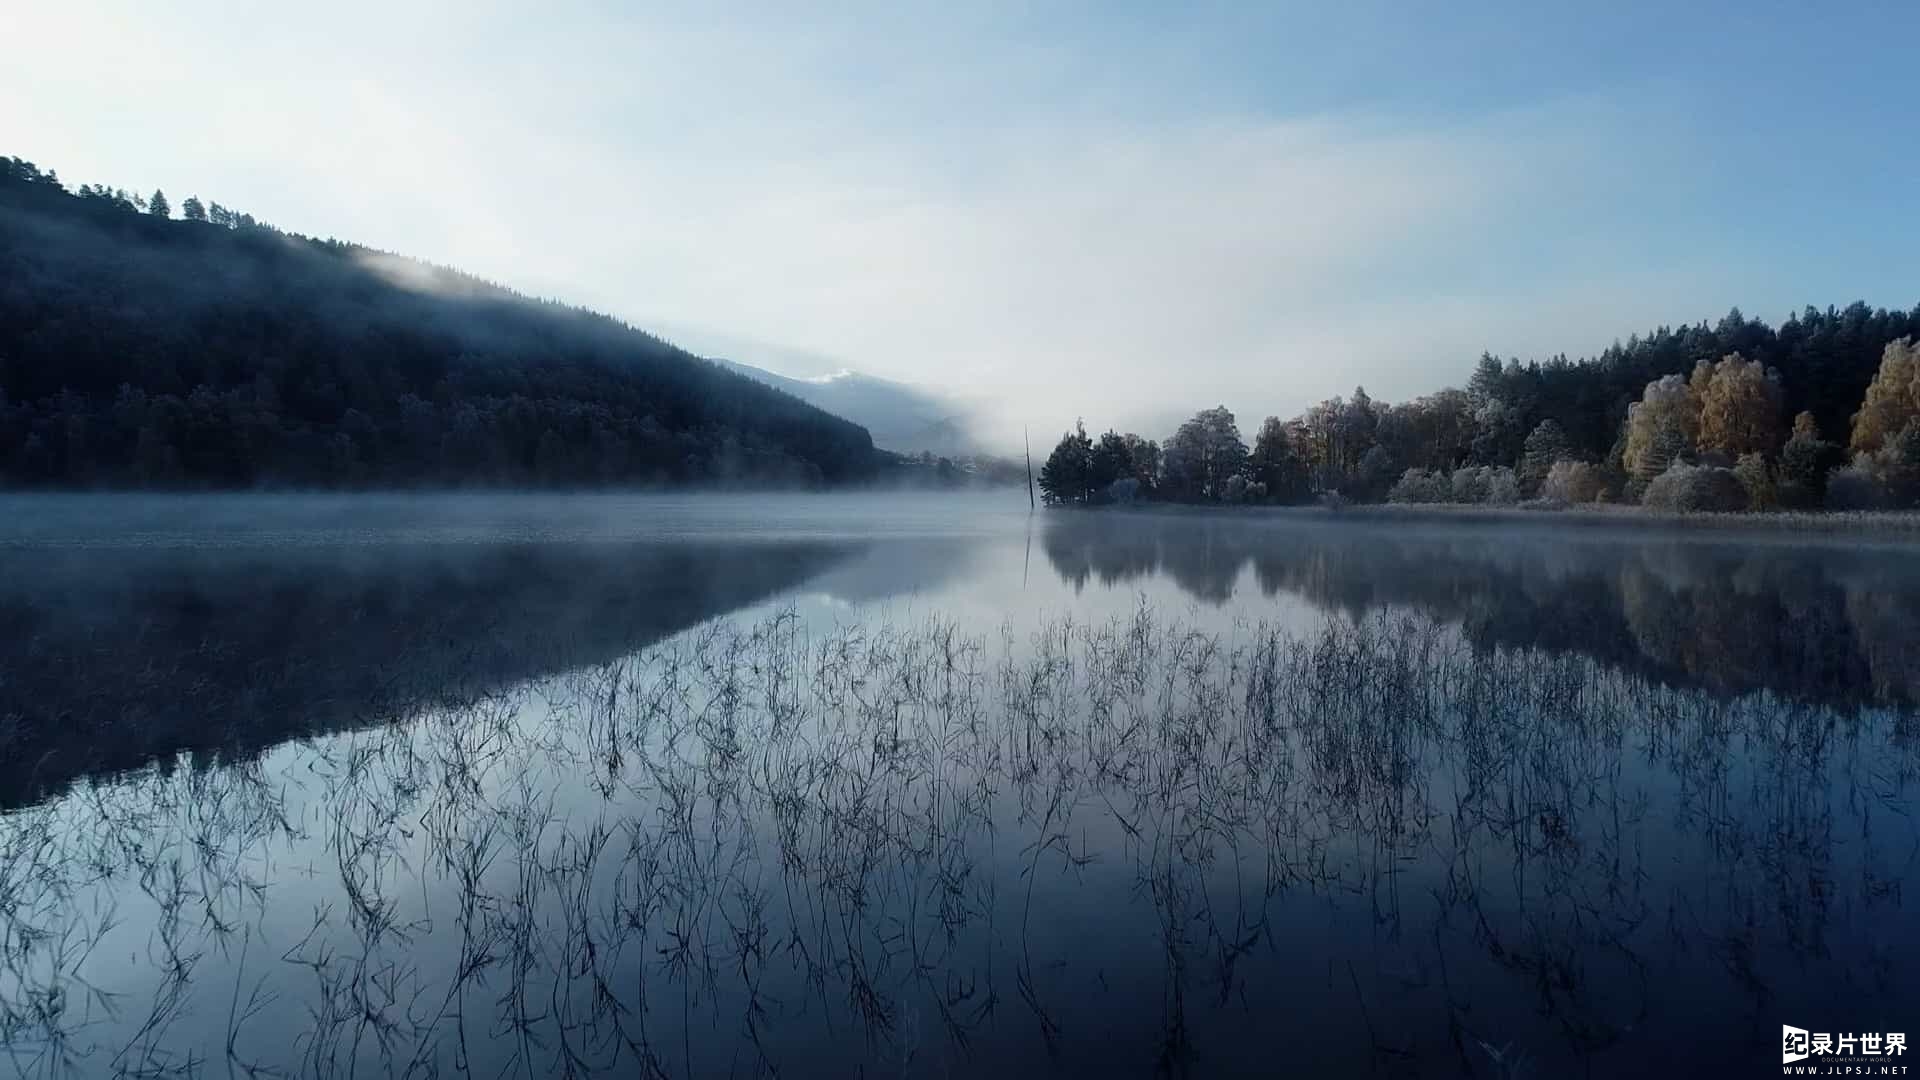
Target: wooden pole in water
{"x":1029,"y":441}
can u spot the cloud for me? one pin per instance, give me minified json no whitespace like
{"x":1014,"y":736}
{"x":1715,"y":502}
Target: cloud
{"x":1106,"y":272}
{"x":1055,"y":243}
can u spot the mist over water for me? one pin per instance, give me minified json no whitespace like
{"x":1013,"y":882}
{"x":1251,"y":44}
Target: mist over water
{"x":711,"y":785}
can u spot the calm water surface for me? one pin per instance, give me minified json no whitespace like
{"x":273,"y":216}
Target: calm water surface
{"x":717,"y":785}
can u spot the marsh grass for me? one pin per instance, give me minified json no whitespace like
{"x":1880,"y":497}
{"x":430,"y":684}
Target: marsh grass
{"x":1901,"y":525}
{"x":786,"y":848}
{"x":1890,"y":526}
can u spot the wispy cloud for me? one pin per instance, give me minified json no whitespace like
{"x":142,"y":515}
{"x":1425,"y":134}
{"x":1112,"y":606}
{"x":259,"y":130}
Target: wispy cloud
{"x":1063,"y":224}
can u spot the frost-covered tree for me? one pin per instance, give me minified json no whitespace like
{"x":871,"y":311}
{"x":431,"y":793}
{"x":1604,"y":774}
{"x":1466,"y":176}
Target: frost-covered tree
{"x":1899,"y":462}
{"x":1893,"y":397}
{"x":1374,"y":474}
{"x":1494,"y":484}
{"x":1854,"y":487}
{"x":1499,"y":423}
{"x":1740,"y":405}
{"x":1696,"y":488}
{"x":1200,"y":457}
{"x":1573,"y":482}
{"x":1757,"y":478}
{"x":1545,"y":445}
{"x":1418,"y":485}
{"x":1662,"y":427}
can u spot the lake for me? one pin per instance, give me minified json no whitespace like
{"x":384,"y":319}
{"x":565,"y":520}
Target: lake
{"x":931,"y":785}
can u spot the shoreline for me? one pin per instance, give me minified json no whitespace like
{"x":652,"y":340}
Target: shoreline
{"x":1864,"y":524}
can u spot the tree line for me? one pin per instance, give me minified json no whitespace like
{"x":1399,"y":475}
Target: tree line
{"x":210,"y":350}
{"x":1725,"y":417}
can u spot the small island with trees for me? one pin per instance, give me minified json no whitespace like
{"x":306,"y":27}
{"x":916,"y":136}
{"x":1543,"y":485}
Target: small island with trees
{"x":1733,"y":417}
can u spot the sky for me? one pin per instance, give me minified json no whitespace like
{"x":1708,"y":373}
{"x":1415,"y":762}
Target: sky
{"x":1119,"y":211}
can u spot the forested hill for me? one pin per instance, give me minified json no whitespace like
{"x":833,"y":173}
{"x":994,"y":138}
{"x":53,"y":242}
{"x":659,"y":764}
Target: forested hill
{"x":138,"y":349}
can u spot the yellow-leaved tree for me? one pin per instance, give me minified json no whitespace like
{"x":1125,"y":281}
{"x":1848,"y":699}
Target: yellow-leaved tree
{"x":1740,"y":407}
{"x":1661,"y":427}
{"x":1893,"y":398}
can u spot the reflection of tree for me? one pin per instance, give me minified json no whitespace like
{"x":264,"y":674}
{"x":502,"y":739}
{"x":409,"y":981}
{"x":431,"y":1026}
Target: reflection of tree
{"x":1206,"y":561}
{"x":1118,"y":557}
{"x":1887,"y":623}
{"x":1817,"y":623}
{"x":1732,"y":629}
{"x":108,"y":668}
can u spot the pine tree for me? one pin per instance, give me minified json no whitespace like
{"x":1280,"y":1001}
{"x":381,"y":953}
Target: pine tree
{"x":1109,"y":460}
{"x":1276,"y":464}
{"x":1145,"y":456}
{"x":1065,"y":476}
{"x":1805,"y":461}
{"x":157,"y":205}
{"x":1546,"y":444}
{"x":192,"y":210}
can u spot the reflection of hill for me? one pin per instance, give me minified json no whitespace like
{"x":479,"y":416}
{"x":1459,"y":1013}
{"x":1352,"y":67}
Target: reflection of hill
{"x":115,"y":662}
{"x":897,"y":567}
{"x":1820,"y":623}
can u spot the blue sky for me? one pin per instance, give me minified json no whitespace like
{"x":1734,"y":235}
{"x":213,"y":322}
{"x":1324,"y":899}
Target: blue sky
{"x":1123,"y":211}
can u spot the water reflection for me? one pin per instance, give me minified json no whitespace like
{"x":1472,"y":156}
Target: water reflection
{"x":1526,"y":804}
{"x":1821,"y":622}
{"x":114,"y":662}
{"x":1111,"y":849}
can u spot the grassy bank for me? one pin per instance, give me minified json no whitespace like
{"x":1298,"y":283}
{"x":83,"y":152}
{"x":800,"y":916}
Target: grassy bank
{"x":1875,"y":524}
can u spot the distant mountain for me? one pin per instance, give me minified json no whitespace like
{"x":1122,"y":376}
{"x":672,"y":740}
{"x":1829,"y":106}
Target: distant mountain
{"x":901,"y":417}
{"x":142,"y":350}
